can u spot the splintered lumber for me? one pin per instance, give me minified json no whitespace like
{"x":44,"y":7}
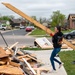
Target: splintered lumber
{"x":20,"y":53}
{"x":32,"y":58}
{"x":24,"y":56}
{"x":7,"y":69}
{"x":8,"y":52}
{"x":13,"y":45}
{"x":28,"y":72}
{"x":73,"y":42}
{"x":20,"y":57}
{"x":3,"y":53}
{"x":64,"y":46}
{"x":29,"y":66}
{"x":38,"y":72}
{"x":40,"y":69}
{"x":28,"y":57}
{"x":2,"y":62}
{"x":69,"y":44}
{"x":25,"y":52}
{"x":9,"y":49}
{"x":14,"y":64}
{"x":34,"y":64}
{"x":5,"y":60}
{"x":35,"y":22}
{"x":3,"y":56}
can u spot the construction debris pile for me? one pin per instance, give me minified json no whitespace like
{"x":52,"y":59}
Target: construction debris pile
{"x":14,"y":61}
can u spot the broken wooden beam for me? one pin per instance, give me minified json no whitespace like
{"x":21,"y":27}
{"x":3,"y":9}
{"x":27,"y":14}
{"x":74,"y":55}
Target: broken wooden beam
{"x":7,"y":69}
{"x":35,"y":22}
{"x":41,"y":69}
{"x":13,"y":45}
{"x":14,"y":64}
{"x":29,"y":66}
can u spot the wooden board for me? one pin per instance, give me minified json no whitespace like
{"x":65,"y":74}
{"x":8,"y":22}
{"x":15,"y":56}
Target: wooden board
{"x":73,"y":42}
{"x":40,"y":69}
{"x":35,"y":22}
{"x":14,"y":64}
{"x":3,"y":53}
{"x":13,"y":45}
{"x":34,"y":59}
{"x":7,"y":69}
{"x":27,"y":59}
{"x":20,"y":57}
{"x":43,"y":43}
{"x":28,"y":56}
{"x":33,"y":71}
{"x":4,"y":60}
{"x":64,"y":46}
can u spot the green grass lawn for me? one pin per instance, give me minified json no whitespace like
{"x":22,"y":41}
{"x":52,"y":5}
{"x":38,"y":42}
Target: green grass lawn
{"x":35,"y":49}
{"x":67,"y":57}
{"x":38,"y":31}
{"x":65,"y":31}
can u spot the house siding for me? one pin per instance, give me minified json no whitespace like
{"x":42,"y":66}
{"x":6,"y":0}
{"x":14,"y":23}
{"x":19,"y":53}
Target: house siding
{"x":71,"y":20}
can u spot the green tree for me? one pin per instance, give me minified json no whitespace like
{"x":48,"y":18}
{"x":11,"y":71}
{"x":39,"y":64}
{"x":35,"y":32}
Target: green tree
{"x":40,"y":20}
{"x":11,"y":17}
{"x":34,"y":17}
{"x":57,"y":18}
{"x":4,"y":18}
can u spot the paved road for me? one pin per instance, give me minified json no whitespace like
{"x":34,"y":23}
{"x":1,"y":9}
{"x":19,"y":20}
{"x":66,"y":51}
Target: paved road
{"x":16,"y":36}
{"x":18,"y":32}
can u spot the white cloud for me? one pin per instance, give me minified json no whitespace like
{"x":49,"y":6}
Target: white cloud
{"x":39,"y":8}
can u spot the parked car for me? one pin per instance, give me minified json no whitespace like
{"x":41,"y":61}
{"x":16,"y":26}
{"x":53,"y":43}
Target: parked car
{"x":22,"y":27}
{"x":3,"y":27}
{"x":28,"y":29}
{"x":32,"y":27}
{"x":69,"y":35}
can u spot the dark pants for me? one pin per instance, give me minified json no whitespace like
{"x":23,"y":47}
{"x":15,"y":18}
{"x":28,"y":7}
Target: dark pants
{"x":52,"y":59}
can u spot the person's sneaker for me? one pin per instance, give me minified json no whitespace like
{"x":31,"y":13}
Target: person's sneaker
{"x":60,"y":65}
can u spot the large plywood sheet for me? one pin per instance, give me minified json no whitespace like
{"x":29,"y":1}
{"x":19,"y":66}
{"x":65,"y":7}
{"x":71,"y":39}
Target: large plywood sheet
{"x":44,"y":43}
{"x":2,"y":53}
{"x":7,"y":69}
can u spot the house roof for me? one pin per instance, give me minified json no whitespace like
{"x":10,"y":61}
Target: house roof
{"x":3,"y":21}
{"x":18,"y":20}
{"x":70,"y":15}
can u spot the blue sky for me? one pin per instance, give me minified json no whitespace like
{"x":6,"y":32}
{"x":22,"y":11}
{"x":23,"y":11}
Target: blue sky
{"x":39,"y":8}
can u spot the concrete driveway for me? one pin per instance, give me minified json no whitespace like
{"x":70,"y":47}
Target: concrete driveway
{"x":44,"y":56}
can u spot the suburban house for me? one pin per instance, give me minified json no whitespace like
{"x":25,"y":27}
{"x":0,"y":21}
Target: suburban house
{"x":71,"y":21}
{"x":17,"y":22}
{"x":3,"y":21}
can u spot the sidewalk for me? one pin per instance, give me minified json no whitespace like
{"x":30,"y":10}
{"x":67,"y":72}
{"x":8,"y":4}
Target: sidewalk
{"x":44,"y":57}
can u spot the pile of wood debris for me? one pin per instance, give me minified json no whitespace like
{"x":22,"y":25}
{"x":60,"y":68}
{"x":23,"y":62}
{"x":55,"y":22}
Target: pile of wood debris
{"x":14,"y":61}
